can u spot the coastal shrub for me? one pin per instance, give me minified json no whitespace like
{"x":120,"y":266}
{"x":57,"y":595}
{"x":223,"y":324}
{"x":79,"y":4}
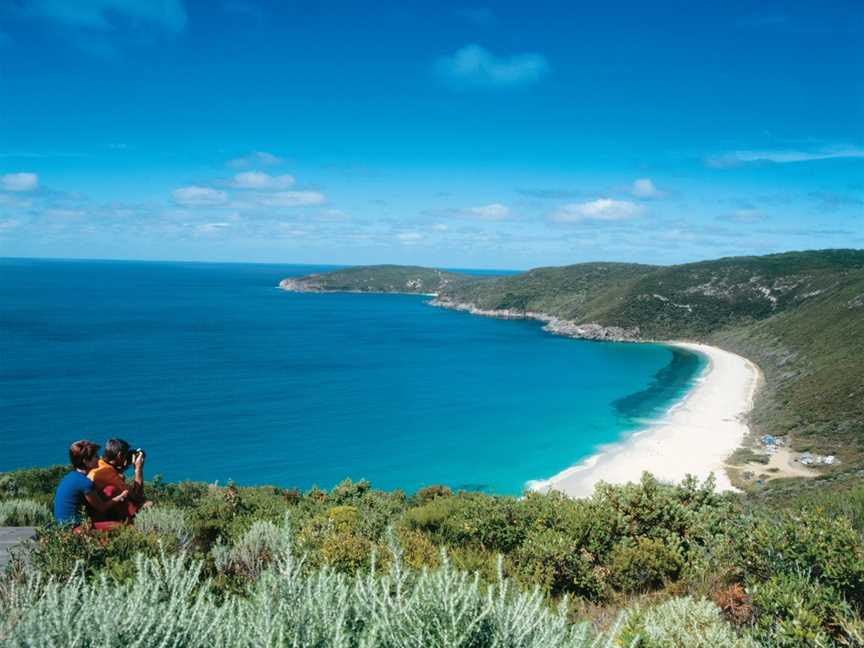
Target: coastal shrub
{"x":36,"y":484}
{"x":261,"y":545}
{"x":555,"y":562}
{"x":378,"y":511}
{"x":343,"y":518}
{"x":348,"y":491}
{"x":58,"y":552}
{"x":169,"y":603}
{"x":847,"y":502}
{"x":432,"y":492}
{"x":495,"y":524}
{"x":735,"y":604}
{"x":474,"y":560}
{"x":828,"y":550}
{"x":644,"y":564}
{"x":24,"y":512}
{"x":680,"y":623}
{"x":793,"y":611}
{"x":185,"y":494}
{"x":213,"y":516}
{"x":166,"y":520}
{"x":346,"y":552}
{"x":417,"y":550}
{"x":689,"y":511}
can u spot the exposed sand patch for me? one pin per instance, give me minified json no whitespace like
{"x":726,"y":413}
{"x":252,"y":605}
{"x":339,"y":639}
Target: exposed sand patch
{"x":782,"y":461}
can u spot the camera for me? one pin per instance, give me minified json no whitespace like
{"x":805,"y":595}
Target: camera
{"x":131,"y":452}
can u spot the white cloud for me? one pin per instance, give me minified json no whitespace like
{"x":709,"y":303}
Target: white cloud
{"x":474,"y":65}
{"x":8,"y":225}
{"x":255,"y":158}
{"x":644,"y":188}
{"x":290,"y":198}
{"x":97,"y":14}
{"x":19,"y":181}
{"x":409,"y":238}
{"x":737,"y":158}
{"x":602,"y":209}
{"x":195,"y":196}
{"x":211,"y":228}
{"x":260,"y":180}
{"x":493,"y":212}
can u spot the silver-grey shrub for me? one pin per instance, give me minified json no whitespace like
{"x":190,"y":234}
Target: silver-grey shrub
{"x":166,"y":520}
{"x":682,"y":623}
{"x":261,"y":545}
{"x":168,"y":603}
{"x":23,"y":512}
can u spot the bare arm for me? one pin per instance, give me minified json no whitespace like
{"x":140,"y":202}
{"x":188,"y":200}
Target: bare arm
{"x":138,"y":482}
{"x":103,"y":505}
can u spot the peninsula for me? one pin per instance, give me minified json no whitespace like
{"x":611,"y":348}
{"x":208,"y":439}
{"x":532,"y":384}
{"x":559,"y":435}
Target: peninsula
{"x":797,"y":316}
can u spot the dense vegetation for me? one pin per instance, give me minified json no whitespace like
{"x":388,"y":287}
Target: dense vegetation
{"x":645,"y":564}
{"x":798,"y":315}
{"x":380,"y":278}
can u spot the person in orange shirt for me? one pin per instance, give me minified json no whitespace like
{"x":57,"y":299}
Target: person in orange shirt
{"x":109,"y":481}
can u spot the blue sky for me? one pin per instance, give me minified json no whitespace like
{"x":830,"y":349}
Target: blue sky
{"x":505,"y":135}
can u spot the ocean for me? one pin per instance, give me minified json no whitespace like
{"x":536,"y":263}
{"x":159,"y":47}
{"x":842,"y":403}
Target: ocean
{"x":221,"y":376}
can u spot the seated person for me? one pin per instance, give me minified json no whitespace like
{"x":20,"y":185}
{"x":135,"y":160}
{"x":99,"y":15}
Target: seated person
{"x":108,"y":478}
{"x":75,"y":489}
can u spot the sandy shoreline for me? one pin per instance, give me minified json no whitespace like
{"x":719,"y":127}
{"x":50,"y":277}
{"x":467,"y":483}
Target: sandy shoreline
{"x":696,"y":436}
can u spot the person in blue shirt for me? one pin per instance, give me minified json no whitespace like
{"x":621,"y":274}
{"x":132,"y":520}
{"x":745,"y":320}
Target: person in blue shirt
{"x":75,"y":489}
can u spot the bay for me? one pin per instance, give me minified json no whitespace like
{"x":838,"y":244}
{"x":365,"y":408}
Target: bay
{"x":221,"y":376}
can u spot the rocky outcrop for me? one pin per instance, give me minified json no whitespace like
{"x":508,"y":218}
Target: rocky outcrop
{"x":311,"y":285}
{"x":306,"y":284}
{"x":556,"y":325}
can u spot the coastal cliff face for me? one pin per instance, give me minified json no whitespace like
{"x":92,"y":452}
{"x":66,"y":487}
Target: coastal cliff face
{"x":798,"y":315}
{"x":555,"y":325}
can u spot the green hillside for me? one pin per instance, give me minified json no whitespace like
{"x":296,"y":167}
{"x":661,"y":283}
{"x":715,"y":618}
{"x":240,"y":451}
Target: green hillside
{"x":378,"y":278}
{"x":798,"y":315}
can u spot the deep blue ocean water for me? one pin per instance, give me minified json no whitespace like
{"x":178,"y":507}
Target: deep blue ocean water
{"x":220,"y":375}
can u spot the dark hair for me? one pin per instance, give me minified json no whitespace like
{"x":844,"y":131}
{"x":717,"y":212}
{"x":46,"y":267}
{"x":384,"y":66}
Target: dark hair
{"x":81,"y":452}
{"x":115,"y":449}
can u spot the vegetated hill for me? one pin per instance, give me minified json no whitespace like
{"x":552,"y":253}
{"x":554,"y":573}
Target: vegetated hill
{"x":377,"y":278}
{"x":799,"y":315}
{"x":565,"y":292}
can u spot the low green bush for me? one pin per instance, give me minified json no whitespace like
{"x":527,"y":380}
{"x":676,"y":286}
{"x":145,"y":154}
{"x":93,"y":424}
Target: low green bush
{"x":680,"y":623}
{"x":792,"y":611}
{"x":23,"y":512}
{"x":644,"y":564}
{"x":262,"y":544}
{"x":166,"y":520}
{"x":557,"y":564}
{"x":826,"y":549}
{"x":58,"y":552}
{"x":38,"y":484}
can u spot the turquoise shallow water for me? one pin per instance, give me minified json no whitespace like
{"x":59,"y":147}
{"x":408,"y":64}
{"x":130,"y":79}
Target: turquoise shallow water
{"x":220,"y":375}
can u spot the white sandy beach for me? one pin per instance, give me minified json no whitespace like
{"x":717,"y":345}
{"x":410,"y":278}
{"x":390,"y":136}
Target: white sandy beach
{"x":696,"y":437}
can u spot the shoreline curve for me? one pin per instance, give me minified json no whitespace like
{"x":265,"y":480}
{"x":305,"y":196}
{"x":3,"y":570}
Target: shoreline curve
{"x":696,"y":436}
